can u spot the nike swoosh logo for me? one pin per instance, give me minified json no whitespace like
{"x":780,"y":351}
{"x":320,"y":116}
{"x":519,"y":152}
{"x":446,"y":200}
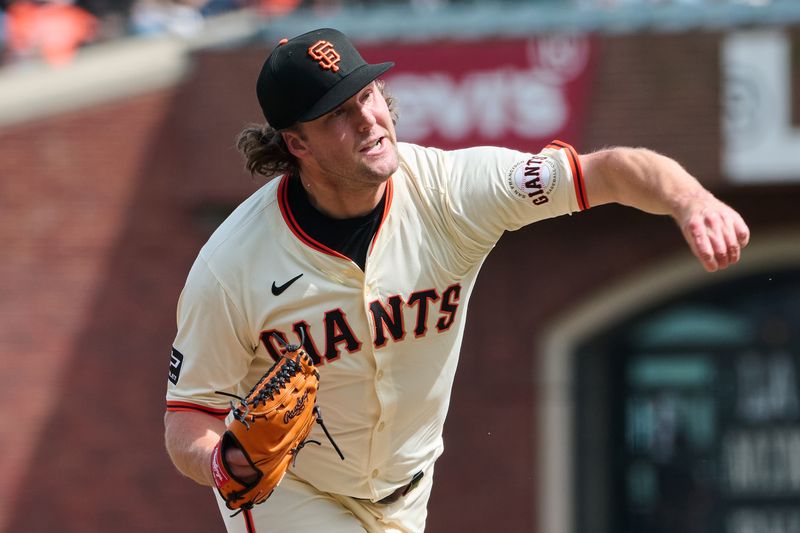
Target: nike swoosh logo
{"x":278,"y":290}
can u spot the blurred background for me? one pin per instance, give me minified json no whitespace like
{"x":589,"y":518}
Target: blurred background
{"x":633,"y":392}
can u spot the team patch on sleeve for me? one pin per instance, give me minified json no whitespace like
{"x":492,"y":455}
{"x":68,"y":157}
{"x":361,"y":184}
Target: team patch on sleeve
{"x":175,"y":363}
{"x":533,"y":180}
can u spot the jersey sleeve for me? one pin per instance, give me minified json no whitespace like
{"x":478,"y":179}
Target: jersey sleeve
{"x":492,"y":190}
{"x":212,"y":349}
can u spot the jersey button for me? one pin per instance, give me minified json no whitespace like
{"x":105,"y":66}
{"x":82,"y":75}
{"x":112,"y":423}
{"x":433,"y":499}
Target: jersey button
{"x":379,"y":375}
{"x":381,"y":426}
{"x":375,"y":473}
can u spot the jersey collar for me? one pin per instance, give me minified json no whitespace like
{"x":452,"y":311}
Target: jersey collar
{"x":305,"y":238}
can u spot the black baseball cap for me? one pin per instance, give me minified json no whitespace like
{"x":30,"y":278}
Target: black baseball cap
{"x":307,"y":76}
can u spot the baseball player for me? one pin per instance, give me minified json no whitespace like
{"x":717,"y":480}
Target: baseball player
{"x":365,"y":251}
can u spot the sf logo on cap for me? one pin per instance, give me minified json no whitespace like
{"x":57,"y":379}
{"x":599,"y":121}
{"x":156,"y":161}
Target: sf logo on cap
{"x":324,"y":53}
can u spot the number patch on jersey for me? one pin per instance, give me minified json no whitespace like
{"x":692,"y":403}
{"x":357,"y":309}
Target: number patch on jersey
{"x":533,"y":180}
{"x":175,"y":363}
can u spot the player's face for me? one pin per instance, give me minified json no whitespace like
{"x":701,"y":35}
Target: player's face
{"x":355,"y":144}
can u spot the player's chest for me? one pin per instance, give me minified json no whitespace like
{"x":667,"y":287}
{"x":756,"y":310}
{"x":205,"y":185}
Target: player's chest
{"x":336,"y":310}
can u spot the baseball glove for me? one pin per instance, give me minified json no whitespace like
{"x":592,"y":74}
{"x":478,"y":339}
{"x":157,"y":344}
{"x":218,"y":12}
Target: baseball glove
{"x":270,"y":426}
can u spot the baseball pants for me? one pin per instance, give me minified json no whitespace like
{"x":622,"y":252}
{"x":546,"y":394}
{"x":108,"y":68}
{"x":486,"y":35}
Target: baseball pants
{"x":298,"y":507}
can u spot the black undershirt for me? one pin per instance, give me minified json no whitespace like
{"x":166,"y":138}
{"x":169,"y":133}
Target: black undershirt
{"x":350,"y":237}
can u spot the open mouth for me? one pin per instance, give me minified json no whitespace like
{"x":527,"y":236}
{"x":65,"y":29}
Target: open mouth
{"x":374,"y":147}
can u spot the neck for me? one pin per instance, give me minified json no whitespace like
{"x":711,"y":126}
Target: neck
{"x":343,"y":202}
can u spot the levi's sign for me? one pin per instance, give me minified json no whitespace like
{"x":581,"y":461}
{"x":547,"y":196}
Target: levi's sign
{"x":519,"y":93}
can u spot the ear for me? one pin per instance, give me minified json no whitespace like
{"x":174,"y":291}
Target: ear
{"x":296,"y":144}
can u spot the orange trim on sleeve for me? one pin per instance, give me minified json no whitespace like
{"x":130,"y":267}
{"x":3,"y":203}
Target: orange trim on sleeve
{"x":577,"y":172}
{"x":176,"y":406}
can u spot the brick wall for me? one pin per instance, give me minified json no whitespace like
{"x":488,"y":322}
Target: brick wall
{"x":659,"y":91}
{"x":104,"y":210}
{"x":67,"y":185}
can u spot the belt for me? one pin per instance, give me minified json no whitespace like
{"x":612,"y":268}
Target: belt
{"x":402,"y":491}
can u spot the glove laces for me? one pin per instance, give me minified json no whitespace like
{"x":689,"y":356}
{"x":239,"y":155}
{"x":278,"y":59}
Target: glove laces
{"x":275,"y":384}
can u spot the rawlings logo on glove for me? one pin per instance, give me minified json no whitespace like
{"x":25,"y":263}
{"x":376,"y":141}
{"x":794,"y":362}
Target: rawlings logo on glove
{"x":270,"y":426}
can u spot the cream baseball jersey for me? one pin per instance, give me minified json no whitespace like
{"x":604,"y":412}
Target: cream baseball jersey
{"x":385,"y":340}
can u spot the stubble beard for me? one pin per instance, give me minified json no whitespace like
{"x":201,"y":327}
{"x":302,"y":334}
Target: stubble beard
{"x":374,"y":175}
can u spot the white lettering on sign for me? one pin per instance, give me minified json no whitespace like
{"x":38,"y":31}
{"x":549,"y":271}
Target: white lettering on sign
{"x":760,"y":143}
{"x":529,"y":102}
{"x":763,"y":521}
{"x":761,"y":462}
{"x":766,"y":387}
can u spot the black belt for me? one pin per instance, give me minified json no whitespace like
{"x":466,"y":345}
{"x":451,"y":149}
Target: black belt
{"x":402,"y":491}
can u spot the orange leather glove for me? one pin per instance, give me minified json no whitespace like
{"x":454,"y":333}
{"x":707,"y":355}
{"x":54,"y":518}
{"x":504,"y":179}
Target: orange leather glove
{"x":270,"y":426}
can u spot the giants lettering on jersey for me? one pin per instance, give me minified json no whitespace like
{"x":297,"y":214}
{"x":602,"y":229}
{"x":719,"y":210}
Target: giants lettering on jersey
{"x":533,"y":180}
{"x":390,"y":318}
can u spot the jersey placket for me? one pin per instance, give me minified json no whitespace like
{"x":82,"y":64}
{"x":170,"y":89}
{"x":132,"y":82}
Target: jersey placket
{"x":379,"y":449}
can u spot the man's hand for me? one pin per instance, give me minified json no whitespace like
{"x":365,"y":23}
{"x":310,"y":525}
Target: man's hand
{"x":239,"y":466}
{"x":715,"y":232}
{"x":657,"y":184}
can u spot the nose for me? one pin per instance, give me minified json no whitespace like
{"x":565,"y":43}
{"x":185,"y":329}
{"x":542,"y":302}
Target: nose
{"x":366,"y":118}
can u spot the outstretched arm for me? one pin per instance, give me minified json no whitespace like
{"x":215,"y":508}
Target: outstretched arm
{"x":654,"y":183}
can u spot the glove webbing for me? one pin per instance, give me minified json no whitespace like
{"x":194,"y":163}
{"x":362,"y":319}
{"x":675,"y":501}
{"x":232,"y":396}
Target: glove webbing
{"x":274,"y":386}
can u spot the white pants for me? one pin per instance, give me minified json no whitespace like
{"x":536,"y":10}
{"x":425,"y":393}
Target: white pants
{"x":298,"y":507}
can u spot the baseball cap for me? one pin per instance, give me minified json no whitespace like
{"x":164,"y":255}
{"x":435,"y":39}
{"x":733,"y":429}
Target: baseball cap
{"x":307,"y":76}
